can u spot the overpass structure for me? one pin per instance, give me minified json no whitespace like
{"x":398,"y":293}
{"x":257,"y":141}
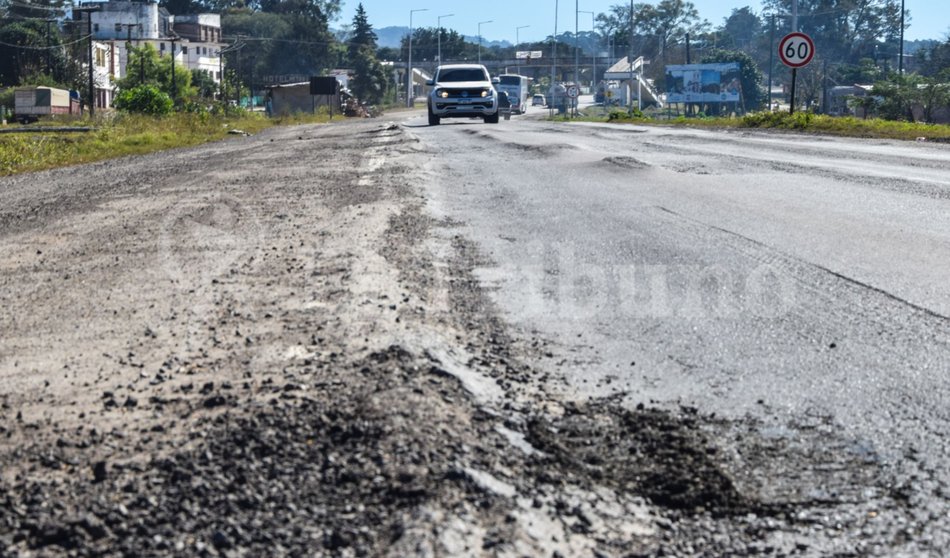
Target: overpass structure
{"x":630,"y":75}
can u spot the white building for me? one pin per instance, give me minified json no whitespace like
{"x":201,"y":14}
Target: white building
{"x":196,"y":39}
{"x":106,"y":68}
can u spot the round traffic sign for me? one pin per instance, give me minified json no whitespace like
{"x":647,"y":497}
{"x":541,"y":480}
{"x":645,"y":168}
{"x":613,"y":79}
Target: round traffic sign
{"x":572,"y":91}
{"x":796,"y":50}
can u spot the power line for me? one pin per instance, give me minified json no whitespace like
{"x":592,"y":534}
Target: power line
{"x":61,"y":45}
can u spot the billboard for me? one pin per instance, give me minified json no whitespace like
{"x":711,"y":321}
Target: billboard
{"x":528,"y":54}
{"x":703,"y":83}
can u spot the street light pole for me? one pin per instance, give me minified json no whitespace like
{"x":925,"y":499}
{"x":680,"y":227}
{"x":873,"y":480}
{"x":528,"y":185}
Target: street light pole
{"x":630,"y":60}
{"x":900,"y":63}
{"x":593,"y":58}
{"x":518,"y":43}
{"x":480,"y":39}
{"x":576,"y":52}
{"x":409,"y":68}
{"x":553,"y":92}
{"x":439,"y":32}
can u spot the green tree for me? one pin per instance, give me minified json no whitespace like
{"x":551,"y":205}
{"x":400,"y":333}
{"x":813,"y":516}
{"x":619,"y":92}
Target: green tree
{"x":936,"y":59}
{"x":844,"y":31}
{"x":931,"y":94}
{"x":658,"y":31}
{"x":147,"y":67}
{"x":370,"y":81}
{"x":753,"y":95}
{"x":865,"y":71}
{"x":27,"y":51}
{"x":425,"y":45}
{"x":897,"y":97}
{"x":741,"y":30}
{"x":145,"y":99}
{"x":204,"y":85}
{"x":288,"y":38}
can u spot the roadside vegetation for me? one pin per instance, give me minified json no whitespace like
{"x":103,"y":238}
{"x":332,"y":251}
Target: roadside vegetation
{"x":127,"y":134}
{"x":806,"y":122}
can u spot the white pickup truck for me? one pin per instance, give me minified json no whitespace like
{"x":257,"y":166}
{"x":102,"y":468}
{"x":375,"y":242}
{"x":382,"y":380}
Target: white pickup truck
{"x":462,"y":90}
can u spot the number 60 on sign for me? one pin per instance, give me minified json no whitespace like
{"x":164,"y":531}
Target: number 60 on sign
{"x":796,"y":50}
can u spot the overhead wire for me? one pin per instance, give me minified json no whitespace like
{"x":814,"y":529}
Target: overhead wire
{"x":51,"y":47}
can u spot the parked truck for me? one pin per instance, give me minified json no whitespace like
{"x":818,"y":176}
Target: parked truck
{"x":31,"y":103}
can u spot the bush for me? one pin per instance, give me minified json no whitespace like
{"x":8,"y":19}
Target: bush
{"x":782,"y":120}
{"x":145,"y":99}
{"x":620,"y":115}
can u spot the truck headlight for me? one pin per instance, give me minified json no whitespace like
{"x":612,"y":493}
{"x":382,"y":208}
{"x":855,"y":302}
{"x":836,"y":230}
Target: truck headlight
{"x":486,"y":93}
{"x":441,"y":93}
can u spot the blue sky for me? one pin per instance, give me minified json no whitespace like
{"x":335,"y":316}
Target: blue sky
{"x":930,"y":18}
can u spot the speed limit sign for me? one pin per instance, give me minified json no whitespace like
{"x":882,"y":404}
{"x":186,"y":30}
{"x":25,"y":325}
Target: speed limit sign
{"x":796,"y":50}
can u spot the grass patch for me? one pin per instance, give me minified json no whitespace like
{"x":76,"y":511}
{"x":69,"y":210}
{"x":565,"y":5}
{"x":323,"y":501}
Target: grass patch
{"x":126,"y":134}
{"x":845,"y":126}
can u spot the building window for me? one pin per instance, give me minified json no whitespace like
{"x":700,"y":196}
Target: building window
{"x":161,"y":47}
{"x":184,"y":50}
{"x":95,"y":27}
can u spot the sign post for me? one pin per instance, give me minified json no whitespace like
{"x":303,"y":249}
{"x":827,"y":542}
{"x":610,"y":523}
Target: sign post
{"x":327,"y":86}
{"x":572,"y":92}
{"x":796,"y":50}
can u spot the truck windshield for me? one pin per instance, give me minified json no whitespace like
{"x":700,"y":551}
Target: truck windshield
{"x":463,"y":74}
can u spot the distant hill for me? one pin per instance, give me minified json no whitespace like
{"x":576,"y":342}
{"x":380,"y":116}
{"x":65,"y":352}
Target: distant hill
{"x":391,"y":37}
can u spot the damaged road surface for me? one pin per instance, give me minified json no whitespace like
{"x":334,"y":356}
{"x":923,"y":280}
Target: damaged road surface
{"x":379,"y":339}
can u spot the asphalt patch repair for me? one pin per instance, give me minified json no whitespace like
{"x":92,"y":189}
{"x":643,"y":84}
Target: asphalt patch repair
{"x":356,"y":471}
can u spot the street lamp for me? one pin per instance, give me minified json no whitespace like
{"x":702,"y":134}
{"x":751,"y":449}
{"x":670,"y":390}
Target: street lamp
{"x":409,"y":73}
{"x":552,"y":92}
{"x":518,"y":43}
{"x":439,"y":31}
{"x":576,"y":55}
{"x":900,"y":63}
{"x":480,"y":38}
{"x":593,"y":65}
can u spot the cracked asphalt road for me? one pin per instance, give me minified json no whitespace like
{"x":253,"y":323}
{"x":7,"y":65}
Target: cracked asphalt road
{"x":381,"y":339}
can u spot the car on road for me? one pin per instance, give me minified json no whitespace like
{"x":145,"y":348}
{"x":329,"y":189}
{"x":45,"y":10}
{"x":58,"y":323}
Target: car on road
{"x":460,"y":91}
{"x":538,"y":101}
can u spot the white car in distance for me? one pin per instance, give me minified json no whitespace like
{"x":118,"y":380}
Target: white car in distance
{"x":462,"y":91}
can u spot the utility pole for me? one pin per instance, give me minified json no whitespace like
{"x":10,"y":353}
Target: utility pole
{"x":593,"y":58}
{"x":128,"y":46}
{"x":553,"y":92}
{"x":174,"y":85}
{"x":900,"y":63}
{"x":409,"y":68}
{"x":630,"y":61}
{"x":576,"y":53}
{"x":687,"y":49}
{"x":768,"y":93}
{"x":49,"y":49}
{"x":92,"y":86}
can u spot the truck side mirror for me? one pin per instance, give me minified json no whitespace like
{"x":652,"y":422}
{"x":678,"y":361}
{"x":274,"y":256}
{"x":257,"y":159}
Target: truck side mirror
{"x":430,"y":82}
